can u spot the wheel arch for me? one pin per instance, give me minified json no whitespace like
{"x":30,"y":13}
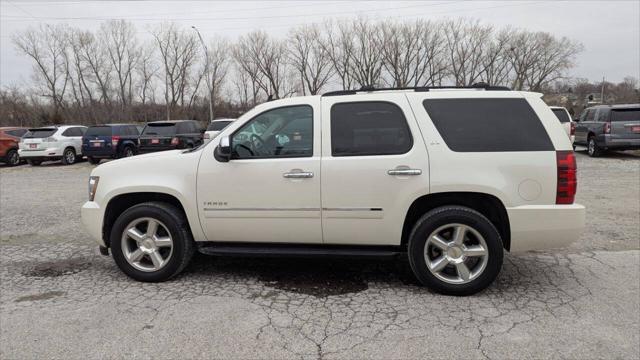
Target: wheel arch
{"x":488,"y":205}
{"x":122,"y":202}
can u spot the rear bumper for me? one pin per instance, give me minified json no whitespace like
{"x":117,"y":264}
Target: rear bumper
{"x":621,"y":143}
{"x":537,"y":227}
{"x":92,"y":216}
{"x":103,"y":154}
{"x":49,"y":153}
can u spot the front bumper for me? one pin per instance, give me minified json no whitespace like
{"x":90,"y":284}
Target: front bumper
{"x":41,"y":154}
{"x":538,"y":227}
{"x":92,"y":217}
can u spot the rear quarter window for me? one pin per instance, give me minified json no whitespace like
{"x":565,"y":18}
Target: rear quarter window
{"x":488,"y":125}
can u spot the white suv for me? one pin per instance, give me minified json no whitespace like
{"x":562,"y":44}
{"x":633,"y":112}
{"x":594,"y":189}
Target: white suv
{"x":52,"y":143}
{"x":214,"y":128}
{"x":448,"y":177}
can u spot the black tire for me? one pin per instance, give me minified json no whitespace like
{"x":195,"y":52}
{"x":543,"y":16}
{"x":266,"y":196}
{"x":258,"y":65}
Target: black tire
{"x":593,"y":150}
{"x":34,"y":162}
{"x":12,"y":158}
{"x":127,"y":151}
{"x":443,"y":216}
{"x":93,"y":160}
{"x":178,"y":228}
{"x":69,"y":156}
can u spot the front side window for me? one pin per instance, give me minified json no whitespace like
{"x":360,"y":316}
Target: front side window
{"x":281,"y":132}
{"x":369,"y":128}
{"x":591,"y":115}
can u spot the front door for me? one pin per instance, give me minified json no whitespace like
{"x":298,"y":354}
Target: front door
{"x":270,"y":189}
{"x":374,"y":165}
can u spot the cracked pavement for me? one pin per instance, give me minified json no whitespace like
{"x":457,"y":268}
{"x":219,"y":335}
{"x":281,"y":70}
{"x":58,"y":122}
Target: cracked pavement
{"x":60,"y":299}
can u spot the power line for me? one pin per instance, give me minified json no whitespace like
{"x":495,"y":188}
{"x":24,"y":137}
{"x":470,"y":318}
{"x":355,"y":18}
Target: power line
{"x":16,"y":18}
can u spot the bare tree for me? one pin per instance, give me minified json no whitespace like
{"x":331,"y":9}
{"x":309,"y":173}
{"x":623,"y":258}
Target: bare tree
{"x":46,"y":46}
{"x":218,"y":67}
{"x":338,"y":45}
{"x":412,"y":53}
{"x":553,"y":58}
{"x":257,"y":53}
{"x":118,"y":37}
{"x":146,"y":70}
{"x":366,"y":57}
{"x":465,"y":46}
{"x":496,"y":65}
{"x":309,"y":58}
{"x":178,"y":54}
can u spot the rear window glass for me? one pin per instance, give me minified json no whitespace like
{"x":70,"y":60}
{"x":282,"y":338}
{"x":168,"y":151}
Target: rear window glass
{"x":160,"y":129}
{"x":488,"y":125}
{"x":40,"y":133}
{"x":218,"y":125}
{"x":369,"y":128}
{"x":17,"y":132}
{"x":98,"y":131}
{"x":562,"y":115}
{"x":625,"y":114}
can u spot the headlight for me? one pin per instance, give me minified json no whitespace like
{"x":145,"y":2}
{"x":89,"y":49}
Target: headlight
{"x":93,"y":186}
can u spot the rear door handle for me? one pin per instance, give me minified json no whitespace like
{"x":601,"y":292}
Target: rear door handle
{"x":298,"y":175}
{"x":404,"y":172}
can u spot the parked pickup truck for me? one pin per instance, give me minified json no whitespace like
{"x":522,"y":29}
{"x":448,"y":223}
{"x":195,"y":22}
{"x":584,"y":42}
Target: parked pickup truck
{"x":450,"y":178}
{"x":609,"y":127}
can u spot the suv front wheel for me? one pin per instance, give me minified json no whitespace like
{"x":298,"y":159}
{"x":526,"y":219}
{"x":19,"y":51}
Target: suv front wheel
{"x":455,"y":250}
{"x":151,"y":242}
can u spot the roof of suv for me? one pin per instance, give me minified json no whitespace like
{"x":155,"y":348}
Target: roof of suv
{"x":616,"y":106}
{"x":168,"y":121}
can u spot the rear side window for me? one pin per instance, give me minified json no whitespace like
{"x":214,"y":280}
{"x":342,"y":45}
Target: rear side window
{"x":488,"y":125}
{"x":369,"y":128}
{"x":40,"y":133}
{"x":562,"y":115}
{"x":98,"y":131}
{"x":218,"y":125}
{"x":632,"y":114}
{"x":166,"y":129}
{"x":17,"y":132}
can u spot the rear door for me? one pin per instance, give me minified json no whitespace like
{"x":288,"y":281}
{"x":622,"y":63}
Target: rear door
{"x":625,"y":123}
{"x":157,"y":136}
{"x":374,"y":164}
{"x":35,"y":139}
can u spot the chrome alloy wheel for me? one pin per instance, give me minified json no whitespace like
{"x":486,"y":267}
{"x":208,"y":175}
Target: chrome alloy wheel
{"x":591,"y":147}
{"x":70,"y":156}
{"x":456,"y":253}
{"x":147,"y":244}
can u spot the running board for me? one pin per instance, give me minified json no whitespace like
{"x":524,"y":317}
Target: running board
{"x":288,"y":250}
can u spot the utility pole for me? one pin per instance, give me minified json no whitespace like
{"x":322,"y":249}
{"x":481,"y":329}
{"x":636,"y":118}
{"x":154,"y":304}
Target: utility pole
{"x":206,"y":70}
{"x":602,"y":92}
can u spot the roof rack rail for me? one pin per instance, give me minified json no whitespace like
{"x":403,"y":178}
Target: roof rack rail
{"x":483,"y":86}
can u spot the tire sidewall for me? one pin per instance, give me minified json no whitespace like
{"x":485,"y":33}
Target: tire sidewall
{"x":10,"y":155}
{"x":64,"y":156}
{"x":449,"y":215}
{"x":174,"y":226}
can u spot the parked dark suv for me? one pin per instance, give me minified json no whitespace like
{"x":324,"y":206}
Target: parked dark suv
{"x":609,"y":127}
{"x":169,"y":135}
{"x":110,"y":141}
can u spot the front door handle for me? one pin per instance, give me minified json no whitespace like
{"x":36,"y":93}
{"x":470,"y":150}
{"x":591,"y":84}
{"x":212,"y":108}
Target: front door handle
{"x":298,"y":175}
{"x":404,"y":172}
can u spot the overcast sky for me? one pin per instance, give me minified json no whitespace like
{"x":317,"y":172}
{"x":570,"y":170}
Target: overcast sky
{"x":609,"y":30}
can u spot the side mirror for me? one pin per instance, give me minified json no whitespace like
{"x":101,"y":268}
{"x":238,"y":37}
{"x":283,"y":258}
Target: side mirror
{"x":222,"y":152}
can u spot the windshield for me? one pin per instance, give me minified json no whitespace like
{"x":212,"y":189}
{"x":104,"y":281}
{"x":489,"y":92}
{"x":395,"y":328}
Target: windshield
{"x":40,"y":133}
{"x":98,"y":131}
{"x":163,"y":129}
{"x":632,"y":114}
{"x":218,"y":125}
{"x":562,"y":115}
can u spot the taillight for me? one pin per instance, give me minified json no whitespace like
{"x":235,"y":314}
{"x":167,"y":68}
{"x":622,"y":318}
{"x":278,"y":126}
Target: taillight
{"x":567,"y":177}
{"x":115,"y":140}
{"x":175,"y":141}
{"x":50,"y":139}
{"x":607,"y":128}
{"x":573,"y":128}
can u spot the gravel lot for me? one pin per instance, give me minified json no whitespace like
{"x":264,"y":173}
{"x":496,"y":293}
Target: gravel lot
{"x":60,"y":299}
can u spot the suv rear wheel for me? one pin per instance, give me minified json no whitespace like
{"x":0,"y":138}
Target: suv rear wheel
{"x":151,"y":242}
{"x":12,"y":158}
{"x":69,"y":156}
{"x":455,"y":250}
{"x":127,"y":151}
{"x":93,"y":161}
{"x":592,"y":147}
